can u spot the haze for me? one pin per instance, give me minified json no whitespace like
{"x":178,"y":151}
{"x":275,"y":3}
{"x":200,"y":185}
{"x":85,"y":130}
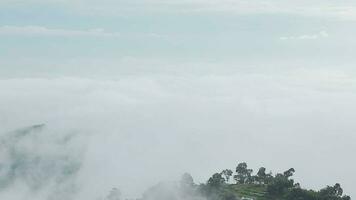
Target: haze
{"x":153,"y":89}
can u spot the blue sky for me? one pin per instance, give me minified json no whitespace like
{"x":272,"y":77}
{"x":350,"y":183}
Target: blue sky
{"x":141,"y":79}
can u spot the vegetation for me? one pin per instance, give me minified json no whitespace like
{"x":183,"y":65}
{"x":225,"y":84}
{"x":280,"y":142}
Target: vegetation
{"x":263,"y":186}
{"x":244,"y":186}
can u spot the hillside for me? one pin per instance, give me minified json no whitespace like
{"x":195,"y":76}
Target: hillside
{"x":243,"y":185}
{"x":249,"y":191}
{"x":264,"y":186}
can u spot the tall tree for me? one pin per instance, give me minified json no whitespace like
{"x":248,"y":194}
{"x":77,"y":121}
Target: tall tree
{"x":261,"y":175}
{"x":333,"y":193}
{"x":243,"y":174}
{"x":216,"y":181}
{"x":227,"y":173}
{"x":289,"y":172}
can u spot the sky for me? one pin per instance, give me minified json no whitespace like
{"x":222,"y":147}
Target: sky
{"x":156,"y":88}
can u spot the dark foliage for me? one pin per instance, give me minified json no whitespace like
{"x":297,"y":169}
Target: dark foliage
{"x":278,"y":187}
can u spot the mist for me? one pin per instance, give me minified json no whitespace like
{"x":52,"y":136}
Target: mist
{"x":136,"y":130}
{"x":38,"y":164}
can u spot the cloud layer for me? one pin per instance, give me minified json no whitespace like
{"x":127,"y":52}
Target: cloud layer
{"x":199,"y":84}
{"x":140,"y":128}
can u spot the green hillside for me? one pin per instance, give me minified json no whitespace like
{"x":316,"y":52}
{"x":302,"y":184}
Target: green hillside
{"x":253,"y":191}
{"x":243,"y":184}
{"x":263,"y":186}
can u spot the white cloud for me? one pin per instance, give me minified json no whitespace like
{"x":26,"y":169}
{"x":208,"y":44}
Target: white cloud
{"x":321,"y":34}
{"x":45,"y":31}
{"x":143,"y":121}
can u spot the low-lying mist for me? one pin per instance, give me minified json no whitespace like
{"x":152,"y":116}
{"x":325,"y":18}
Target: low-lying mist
{"x":38,"y":163}
{"x":135,"y":131}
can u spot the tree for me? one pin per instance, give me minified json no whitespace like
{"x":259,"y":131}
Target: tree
{"x":261,"y":175}
{"x":243,"y":174}
{"x":214,"y":187}
{"x":216,"y":181}
{"x":333,"y":193}
{"x":338,"y":190}
{"x":280,"y":185}
{"x":301,"y":194}
{"x":227,"y":173}
{"x":289,"y":172}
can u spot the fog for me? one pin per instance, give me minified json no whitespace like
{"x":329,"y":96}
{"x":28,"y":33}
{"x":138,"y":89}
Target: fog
{"x":135,"y":130}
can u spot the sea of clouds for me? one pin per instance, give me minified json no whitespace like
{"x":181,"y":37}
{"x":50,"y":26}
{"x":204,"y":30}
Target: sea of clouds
{"x":133,"y":131}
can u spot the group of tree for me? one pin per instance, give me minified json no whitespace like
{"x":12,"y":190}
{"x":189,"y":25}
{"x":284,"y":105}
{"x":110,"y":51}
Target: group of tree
{"x":234,"y":185}
{"x":280,"y":186}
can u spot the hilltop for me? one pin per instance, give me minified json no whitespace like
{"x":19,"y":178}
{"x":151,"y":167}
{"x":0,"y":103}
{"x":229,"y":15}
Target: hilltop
{"x":243,"y":184}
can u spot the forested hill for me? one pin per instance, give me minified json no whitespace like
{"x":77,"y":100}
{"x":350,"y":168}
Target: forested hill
{"x":243,"y":184}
